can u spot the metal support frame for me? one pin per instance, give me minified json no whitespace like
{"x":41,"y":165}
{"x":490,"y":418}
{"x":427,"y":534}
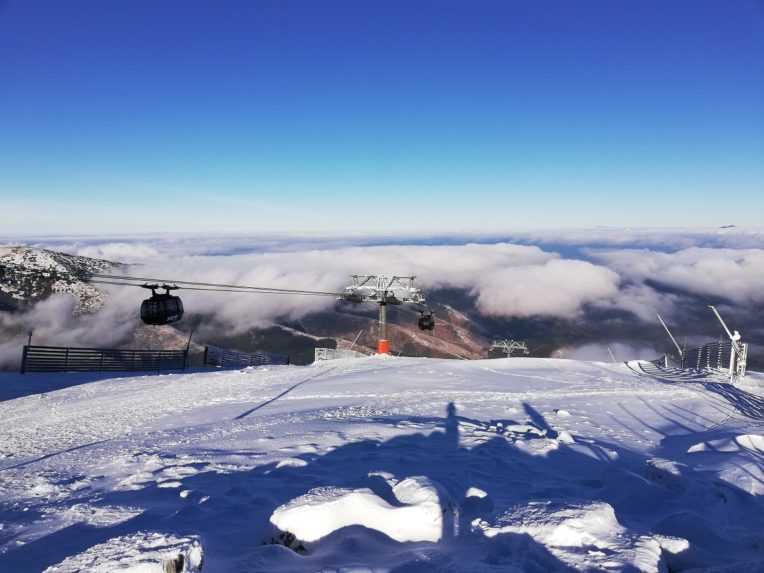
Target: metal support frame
{"x":383,"y":290}
{"x":738,"y":352}
{"x":509,"y":346}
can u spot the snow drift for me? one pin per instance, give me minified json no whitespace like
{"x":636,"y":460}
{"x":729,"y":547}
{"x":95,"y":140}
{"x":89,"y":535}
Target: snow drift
{"x":382,"y":464}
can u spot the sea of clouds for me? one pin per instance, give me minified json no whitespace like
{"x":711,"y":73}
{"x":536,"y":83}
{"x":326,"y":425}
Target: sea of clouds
{"x":546,"y":274}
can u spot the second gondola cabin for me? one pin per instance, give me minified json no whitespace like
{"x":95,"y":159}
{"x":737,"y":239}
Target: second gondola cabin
{"x":426,"y":321}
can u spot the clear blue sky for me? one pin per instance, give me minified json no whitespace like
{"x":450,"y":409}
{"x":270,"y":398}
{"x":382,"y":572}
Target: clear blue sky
{"x":389,"y":116}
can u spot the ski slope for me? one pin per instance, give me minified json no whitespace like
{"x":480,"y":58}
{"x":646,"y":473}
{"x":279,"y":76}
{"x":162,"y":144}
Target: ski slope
{"x":383,"y":464}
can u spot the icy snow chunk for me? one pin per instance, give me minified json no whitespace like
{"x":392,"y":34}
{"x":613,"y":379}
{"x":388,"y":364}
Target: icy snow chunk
{"x":667,"y":472}
{"x":324,"y":510}
{"x":673,"y":544}
{"x":524,"y":429}
{"x":565,"y":437}
{"x":743,"y":442}
{"x":169,"y":484}
{"x":97,"y":516}
{"x":387,"y":476}
{"x":665,"y":466}
{"x":593,"y":526}
{"x":475,"y":492}
{"x":416,"y":490}
{"x":566,"y":526}
{"x":291,"y":463}
{"x":586,"y":536}
{"x":562,"y":413}
{"x":137,"y":553}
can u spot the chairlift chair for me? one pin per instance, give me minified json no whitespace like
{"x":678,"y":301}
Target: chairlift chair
{"x":161,"y":308}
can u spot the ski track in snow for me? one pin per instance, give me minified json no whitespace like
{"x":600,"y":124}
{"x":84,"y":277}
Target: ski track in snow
{"x":384,"y":464}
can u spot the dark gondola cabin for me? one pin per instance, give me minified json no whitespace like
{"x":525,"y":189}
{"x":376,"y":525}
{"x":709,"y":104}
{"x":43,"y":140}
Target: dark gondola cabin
{"x":426,"y":321}
{"x":161,"y":308}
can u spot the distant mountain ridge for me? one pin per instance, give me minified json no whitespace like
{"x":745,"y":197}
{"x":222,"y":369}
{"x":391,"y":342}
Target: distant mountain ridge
{"x":52,"y":272}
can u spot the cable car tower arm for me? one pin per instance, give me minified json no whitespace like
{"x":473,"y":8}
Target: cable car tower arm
{"x":383,"y":290}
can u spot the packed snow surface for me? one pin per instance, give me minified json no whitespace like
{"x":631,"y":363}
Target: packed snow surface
{"x":383,"y":465}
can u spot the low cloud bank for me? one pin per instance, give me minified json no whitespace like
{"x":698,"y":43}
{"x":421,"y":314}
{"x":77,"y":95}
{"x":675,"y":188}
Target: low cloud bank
{"x":52,"y":321}
{"x":733,"y":274}
{"x":555,"y":288}
{"x":122,"y":247}
{"x":119,"y":252}
{"x":506,"y":279}
{"x":615,"y":352}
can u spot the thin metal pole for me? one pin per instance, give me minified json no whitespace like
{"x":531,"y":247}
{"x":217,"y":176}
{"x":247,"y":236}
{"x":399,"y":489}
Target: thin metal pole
{"x":727,"y":330}
{"x":357,"y":336}
{"x":671,"y":336}
{"x":24,"y":359}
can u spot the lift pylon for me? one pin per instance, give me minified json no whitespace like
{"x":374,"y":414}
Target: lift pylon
{"x":383,"y":290}
{"x":510,"y":346}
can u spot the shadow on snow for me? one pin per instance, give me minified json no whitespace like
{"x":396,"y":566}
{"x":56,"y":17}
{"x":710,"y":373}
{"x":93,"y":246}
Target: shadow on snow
{"x":230,"y":511}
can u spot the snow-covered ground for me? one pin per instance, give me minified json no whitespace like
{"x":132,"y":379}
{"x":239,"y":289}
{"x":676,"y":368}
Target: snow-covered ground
{"x":383,"y":464}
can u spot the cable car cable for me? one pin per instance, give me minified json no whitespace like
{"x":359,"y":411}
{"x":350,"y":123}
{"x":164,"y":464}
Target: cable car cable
{"x":216,"y":285}
{"x":132,"y":281}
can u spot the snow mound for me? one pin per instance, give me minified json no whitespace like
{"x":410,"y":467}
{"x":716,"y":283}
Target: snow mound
{"x":322,"y":511}
{"x":583,"y":535}
{"x":291,"y":463}
{"x":476,"y":492}
{"x":569,"y":526}
{"x":743,"y":442}
{"x":137,"y":553}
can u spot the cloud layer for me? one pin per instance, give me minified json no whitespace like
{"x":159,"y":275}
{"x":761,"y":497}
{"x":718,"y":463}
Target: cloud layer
{"x":733,"y":274}
{"x":561,"y":276}
{"x":506,"y":279}
{"x":52,"y":321}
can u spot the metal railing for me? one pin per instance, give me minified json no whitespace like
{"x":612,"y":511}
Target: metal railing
{"x":335,"y":353}
{"x":226,"y":358}
{"x":67,"y":359}
{"x":711,"y":356}
{"x":717,"y":356}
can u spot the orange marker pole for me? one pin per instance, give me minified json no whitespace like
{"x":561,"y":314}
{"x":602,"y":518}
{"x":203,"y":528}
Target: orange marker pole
{"x":383,"y":345}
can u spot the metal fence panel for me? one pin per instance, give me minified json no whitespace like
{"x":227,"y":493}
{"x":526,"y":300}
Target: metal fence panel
{"x":711,"y":356}
{"x":335,"y":353}
{"x":225,"y":358}
{"x":65,"y":359}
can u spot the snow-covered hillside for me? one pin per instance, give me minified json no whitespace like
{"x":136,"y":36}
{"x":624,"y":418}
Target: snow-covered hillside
{"x":383,"y":464}
{"x":30,"y":274}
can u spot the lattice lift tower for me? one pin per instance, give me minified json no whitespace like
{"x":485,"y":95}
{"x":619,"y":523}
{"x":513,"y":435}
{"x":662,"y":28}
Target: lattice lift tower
{"x":509,"y":346}
{"x":383,"y":290}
